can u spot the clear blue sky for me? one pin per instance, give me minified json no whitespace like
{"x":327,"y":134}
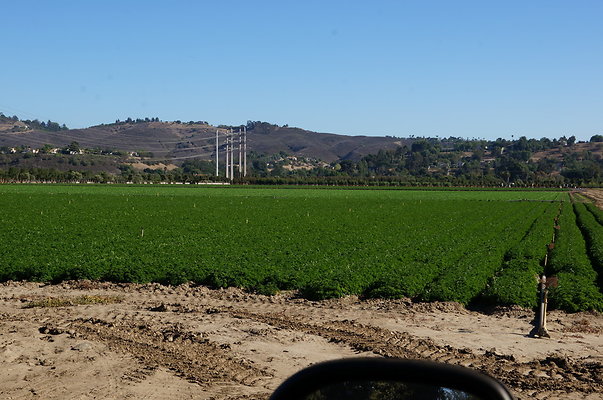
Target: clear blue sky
{"x":425,"y":68}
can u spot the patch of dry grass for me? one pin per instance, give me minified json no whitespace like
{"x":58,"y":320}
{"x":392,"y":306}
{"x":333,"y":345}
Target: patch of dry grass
{"x":73,"y":301}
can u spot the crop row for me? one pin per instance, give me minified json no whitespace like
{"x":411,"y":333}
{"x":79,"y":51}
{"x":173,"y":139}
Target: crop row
{"x":467,"y":276}
{"x":577,"y":280}
{"x":524,"y":263}
{"x":595,"y":211}
{"x":593,"y":233}
{"x":427,"y":261}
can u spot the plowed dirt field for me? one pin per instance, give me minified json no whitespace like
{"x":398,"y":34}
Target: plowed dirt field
{"x":158,"y":342}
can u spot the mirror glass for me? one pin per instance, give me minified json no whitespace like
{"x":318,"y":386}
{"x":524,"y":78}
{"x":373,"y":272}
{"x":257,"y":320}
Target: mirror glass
{"x":387,"y":390}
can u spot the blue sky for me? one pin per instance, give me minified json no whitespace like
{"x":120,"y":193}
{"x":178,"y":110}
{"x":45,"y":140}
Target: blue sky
{"x":425,"y":68}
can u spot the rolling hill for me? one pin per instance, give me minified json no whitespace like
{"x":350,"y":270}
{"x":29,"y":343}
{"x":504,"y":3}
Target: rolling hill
{"x":180,"y":141}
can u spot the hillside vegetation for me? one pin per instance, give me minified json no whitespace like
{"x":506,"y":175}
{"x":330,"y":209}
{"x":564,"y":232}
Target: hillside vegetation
{"x":149,"y":150}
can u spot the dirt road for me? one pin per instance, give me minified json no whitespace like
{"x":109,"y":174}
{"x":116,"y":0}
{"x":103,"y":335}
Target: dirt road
{"x":190,"y":342}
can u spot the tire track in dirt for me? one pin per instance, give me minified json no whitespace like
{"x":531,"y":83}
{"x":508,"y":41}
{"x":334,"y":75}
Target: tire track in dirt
{"x":552,"y":375}
{"x":169,"y":327}
{"x":186,"y":354}
{"x":196,"y":359}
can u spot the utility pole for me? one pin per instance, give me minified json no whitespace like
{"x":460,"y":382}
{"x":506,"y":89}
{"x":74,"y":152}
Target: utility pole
{"x":231,"y":156}
{"x":240,"y":169}
{"x":227,"y":153}
{"x":229,"y":142}
{"x":245,"y":151}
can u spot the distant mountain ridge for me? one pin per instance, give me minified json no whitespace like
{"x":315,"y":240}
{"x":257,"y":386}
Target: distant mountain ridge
{"x":181,"y":141}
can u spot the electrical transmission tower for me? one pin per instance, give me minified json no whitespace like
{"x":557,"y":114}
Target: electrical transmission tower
{"x":233,"y":141}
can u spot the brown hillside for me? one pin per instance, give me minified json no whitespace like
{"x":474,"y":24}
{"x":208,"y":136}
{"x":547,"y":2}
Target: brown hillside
{"x":13,"y":126}
{"x":267,"y":138}
{"x":176,"y":141}
{"x":559,"y":153}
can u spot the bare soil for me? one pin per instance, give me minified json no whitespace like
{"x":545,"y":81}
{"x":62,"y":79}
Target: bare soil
{"x":91,"y":340}
{"x":559,"y":153}
{"x":140,"y":166}
{"x":595,"y":195}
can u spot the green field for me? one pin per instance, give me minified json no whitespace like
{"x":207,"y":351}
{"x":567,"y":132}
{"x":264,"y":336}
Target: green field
{"x":430,"y":245}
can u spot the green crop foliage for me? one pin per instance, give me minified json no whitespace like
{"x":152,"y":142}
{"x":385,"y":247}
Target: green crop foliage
{"x":596,"y":212}
{"x":445,"y":245}
{"x":593,"y":233}
{"x":569,"y":261}
{"x":467,"y":276}
{"x":516,"y":283}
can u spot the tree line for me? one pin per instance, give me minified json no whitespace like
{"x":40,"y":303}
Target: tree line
{"x":454,"y":161}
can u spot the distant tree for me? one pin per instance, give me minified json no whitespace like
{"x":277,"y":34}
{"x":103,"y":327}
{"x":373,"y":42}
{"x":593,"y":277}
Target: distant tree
{"x":586,"y":170}
{"x":73,"y":147}
{"x":546,"y":142}
{"x":74,"y":175}
{"x":144,"y":153}
{"x":46,"y":149}
{"x":546,"y":165}
{"x":53,"y":126}
{"x":571,"y":140}
{"x":596,"y":138}
{"x":522,"y":144}
{"x":511,"y":169}
{"x":348,"y":167}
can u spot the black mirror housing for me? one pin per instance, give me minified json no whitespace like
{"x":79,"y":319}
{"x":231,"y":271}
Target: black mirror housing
{"x":311,"y":380}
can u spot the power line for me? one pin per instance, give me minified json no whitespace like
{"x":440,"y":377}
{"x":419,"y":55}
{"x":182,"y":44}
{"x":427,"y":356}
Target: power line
{"x":27,"y":114}
{"x":230,"y":152}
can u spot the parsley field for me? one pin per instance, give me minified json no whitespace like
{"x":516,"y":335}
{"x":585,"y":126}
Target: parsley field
{"x":429,"y":245}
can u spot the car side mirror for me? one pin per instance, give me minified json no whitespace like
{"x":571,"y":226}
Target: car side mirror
{"x":389,"y":379}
